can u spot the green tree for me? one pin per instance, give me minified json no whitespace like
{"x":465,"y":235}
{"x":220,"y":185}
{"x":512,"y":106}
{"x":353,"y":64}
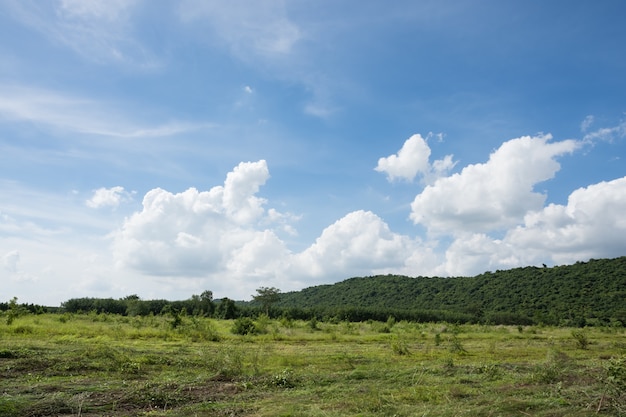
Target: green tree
{"x":207,"y":302}
{"x":226,"y":309}
{"x":267,"y":296}
{"x":15,"y":310}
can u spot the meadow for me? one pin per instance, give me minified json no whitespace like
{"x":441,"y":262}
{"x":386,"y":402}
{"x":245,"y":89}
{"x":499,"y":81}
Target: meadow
{"x":112,"y":365}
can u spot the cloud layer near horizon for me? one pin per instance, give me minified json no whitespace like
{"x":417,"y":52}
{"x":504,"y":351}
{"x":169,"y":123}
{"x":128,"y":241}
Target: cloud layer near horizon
{"x":231,"y":237}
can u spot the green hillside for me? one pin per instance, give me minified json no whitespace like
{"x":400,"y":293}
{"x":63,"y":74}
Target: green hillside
{"x":591,"y":292}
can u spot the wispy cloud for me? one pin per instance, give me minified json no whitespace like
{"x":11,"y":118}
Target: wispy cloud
{"x":37,"y":213}
{"x":98,"y":30}
{"x":260,"y":28}
{"x":604,"y":134}
{"x":68,"y":113}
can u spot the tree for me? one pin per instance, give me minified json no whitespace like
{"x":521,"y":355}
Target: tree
{"x":207,"y":302}
{"x":15,"y":310}
{"x":226,"y":309}
{"x":267,"y":296}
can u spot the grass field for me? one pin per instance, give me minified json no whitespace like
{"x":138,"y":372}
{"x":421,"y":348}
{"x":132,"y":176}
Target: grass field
{"x":104,"y":365}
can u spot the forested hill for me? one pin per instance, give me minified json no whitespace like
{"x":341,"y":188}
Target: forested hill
{"x":574,"y":294}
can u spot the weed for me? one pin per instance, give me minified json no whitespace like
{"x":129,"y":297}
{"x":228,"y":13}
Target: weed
{"x":51,"y":405}
{"x":65,"y":317}
{"x":614,"y":381}
{"x":13,"y":353}
{"x":23,"y":329}
{"x":284,"y":379}
{"x":227,"y":363}
{"x":554,"y":369}
{"x":582,"y":341}
{"x":448,"y":366}
{"x":489,"y":371}
{"x":400,"y":347}
{"x":456,"y":346}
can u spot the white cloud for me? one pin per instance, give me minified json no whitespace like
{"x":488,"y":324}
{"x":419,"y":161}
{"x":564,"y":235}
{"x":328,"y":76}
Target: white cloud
{"x":108,"y":197}
{"x":410,"y":160}
{"x":11,"y":260}
{"x":592,"y":224}
{"x":441,"y":167}
{"x":358,"y":243}
{"x":197,"y":233}
{"x":474,"y":253}
{"x":494,"y":195}
{"x":227,"y":232}
{"x":413,"y":159}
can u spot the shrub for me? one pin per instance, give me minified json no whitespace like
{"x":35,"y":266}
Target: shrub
{"x":614,"y":380}
{"x":243,"y":326}
{"x":582,"y":341}
{"x":262,"y":324}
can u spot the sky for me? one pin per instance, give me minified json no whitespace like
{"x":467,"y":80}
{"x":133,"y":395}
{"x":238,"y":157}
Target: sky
{"x":164,"y":148}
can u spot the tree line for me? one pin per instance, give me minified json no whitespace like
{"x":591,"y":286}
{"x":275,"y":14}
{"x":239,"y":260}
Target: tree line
{"x":585,"y":293}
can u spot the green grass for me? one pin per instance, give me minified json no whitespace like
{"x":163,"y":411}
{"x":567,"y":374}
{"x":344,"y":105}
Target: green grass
{"x":105,"y":365}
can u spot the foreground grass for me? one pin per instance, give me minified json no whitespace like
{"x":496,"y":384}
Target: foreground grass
{"x":102,"y":365}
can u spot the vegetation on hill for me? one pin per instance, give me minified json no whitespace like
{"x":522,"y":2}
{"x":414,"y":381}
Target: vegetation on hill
{"x":581,"y":294}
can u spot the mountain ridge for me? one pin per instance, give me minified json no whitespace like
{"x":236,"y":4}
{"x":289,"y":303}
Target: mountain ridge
{"x":580,"y":293}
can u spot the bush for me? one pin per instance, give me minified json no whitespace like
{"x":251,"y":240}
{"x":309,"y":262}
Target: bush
{"x":582,"y":341}
{"x":615,"y":385}
{"x":243,"y":326}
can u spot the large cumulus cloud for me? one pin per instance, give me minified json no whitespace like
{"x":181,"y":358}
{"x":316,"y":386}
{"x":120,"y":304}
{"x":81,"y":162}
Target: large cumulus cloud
{"x":358,"y":243}
{"x":592,"y":224}
{"x":493,"y":195}
{"x":196,"y":233}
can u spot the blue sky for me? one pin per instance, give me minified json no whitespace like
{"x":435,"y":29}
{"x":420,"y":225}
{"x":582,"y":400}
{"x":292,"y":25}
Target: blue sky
{"x":164,"y":148}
